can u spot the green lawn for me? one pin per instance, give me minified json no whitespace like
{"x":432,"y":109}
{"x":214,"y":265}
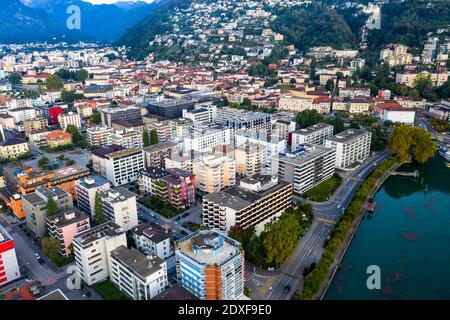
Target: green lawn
{"x":62,"y":261}
{"x":109,"y":291}
{"x":324,"y":190}
{"x":193,"y":226}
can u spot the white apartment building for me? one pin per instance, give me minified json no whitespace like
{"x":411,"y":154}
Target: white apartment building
{"x":123,"y":166}
{"x":352,"y":146}
{"x":120,"y":207}
{"x":256,"y":201}
{"x":207,"y":139}
{"x":307,"y":167}
{"x":140,"y":277}
{"x":69,"y":118}
{"x":181,"y":128}
{"x":86,"y":189}
{"x":23,"y":113}
{"x":93,"y":248}
{"x":404,"y":116}
{"x":315,"y":134}
{"x":251,"y":159}
{"x":201,"y":116}
{"x":98,"y":136}
{"x":128,"y":138}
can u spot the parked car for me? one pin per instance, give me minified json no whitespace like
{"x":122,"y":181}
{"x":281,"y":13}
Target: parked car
{"x":287,"y":289}
{"x":38,"y":258}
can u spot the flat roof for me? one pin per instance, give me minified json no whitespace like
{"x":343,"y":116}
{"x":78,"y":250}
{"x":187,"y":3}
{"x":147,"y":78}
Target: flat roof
{"x":308,"y":153}
{"x":313,"y":128}
{"x":137,"y":262}
{"x":107,"y":229}
{"x":347,"y":135}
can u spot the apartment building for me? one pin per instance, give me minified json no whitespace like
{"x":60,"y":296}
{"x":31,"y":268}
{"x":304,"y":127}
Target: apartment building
{"x":34,"y":207}
{"x":35,"y":124}
{"x":57,"y":138}
{"x":210,"y":265}
{"x":120,"y":207}
{"x":13,"y":148}
{"x":163,"y":130}
{"x":305,"y":168}
{"x":352,"y":146}
{"x":214,"y":172}
{"x":152,"y":239}
{"x":120,"y":166}
{"x":282,"y":128}
{"x":70,"y":118}
{"x":98,"y":136}
{"x":256,"y":201}
{"x":201,"y":116}
{"x":408,"y":77}
{"x":169,"y":108}
{"x":315,"y":134}
{"x":176,"y":186}
{"x":139,"y":276}
{"x":206,"y":139}
{"x":65,"y":225}
{"x":181,"y":128}
{"x":128,"y":138}
{"x":236,"y":119}
{"x":23,"y":114}
{"x":8,"y":260}
{"x":251,"y":158}
{"x":86,"y":189}
{"x":93,"y":248}
{"x":156,"y":155}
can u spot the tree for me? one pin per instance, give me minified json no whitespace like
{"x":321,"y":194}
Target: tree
{"x":70,"y":96}
{"x":51,"y":247}
{"x":51,"y":207}
{"x":96,"y":118}
{"x":1,"y":136}
{"x":424,"y":85}
{"x":76,"y":136}
{"x":15,"y":78}
{"x":54,"y":82}
{"x":329,"y":85}
{"x":98,"y":209}
{"x":43,"y":162}
{"x":281,"y":238}
{"x":153,"y":137}
{"x":308,"y":118}
{"x":411,"y":143}
{"x":145,"y":138}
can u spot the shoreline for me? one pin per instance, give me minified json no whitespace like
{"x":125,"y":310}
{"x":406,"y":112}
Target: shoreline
{"x":349,"y":238}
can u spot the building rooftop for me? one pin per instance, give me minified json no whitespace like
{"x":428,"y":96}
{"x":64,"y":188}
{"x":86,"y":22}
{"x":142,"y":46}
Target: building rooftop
{"x":238,"y":197}
{"x":67,"y":217}
{"x":107,"y":229}
{"x":4,"y":235}
{"x":12,"y":142}
{"x":136,"y":262}
{"x":123,"y":152}
{"x":118,"y":194}
{"x":347,"y":135}
{"x":304,"y":153}
{"x":92,"y":182}
{"x":152,"y":231}
{"x":159,"y":146}
{"x":176,"y":292}
{"x":103,"y":151}
{"x":313,"y":128}
{"x":209,"y":247}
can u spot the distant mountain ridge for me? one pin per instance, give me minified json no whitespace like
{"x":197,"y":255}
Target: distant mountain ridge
{"x":37,"y":20}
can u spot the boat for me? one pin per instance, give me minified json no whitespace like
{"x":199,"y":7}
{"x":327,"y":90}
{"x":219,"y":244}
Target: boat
{"x":370,"y":206}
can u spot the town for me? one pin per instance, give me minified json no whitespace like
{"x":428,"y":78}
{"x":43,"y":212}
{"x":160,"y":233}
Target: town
{"x":226,"y":164}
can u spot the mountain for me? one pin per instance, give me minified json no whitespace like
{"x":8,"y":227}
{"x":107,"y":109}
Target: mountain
{"x":30,"y":20}
{"x":20,"y":23}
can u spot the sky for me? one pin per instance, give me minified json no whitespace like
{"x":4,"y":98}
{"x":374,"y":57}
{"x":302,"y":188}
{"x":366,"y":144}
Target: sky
{"x":113,"y":1}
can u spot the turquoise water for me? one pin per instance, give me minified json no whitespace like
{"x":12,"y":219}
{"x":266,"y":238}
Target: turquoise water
{"x":408,"y":237}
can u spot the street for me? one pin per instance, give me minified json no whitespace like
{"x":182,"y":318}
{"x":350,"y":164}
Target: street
{"x":310,"y":247}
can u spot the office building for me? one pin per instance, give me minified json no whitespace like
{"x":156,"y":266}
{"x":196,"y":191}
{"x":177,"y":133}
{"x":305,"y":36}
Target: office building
{"x":169,"y":108}
{"x":236,"y":119}
{"x":210,"y":265}
{"x":111,"y":114}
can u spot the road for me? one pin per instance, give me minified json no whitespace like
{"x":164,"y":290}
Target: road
{"x":310,"y":247}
